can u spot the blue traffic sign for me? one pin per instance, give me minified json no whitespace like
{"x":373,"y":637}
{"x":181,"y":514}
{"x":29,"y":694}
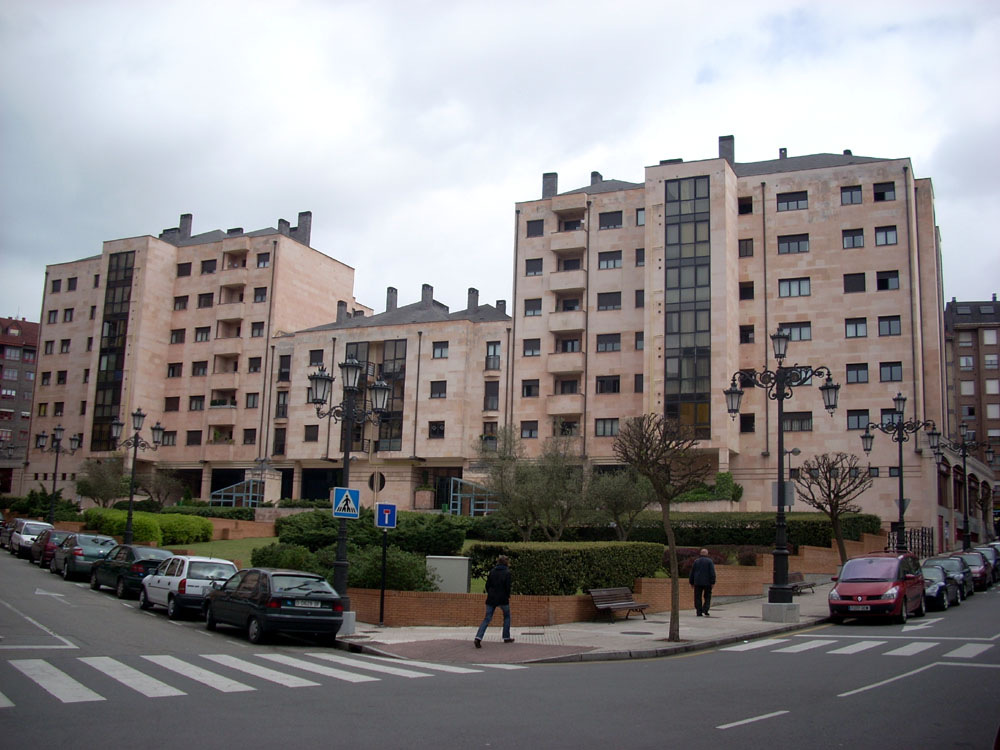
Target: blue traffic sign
{"x":385,"y":516}
{"x":346,"y":502}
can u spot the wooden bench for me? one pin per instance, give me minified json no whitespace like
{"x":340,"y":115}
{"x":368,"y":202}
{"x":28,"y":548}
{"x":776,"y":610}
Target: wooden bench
{"x":798,"y":583}
{"x":614,"y":599}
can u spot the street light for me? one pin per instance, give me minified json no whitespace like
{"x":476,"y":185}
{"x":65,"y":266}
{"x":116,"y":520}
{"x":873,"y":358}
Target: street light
{"x":135,"y":443}
{"x":967,"y":444}
{"x":900,"y":431}
{"x":57,"y":435}
{"x":779,"y":384}
{"x":349,"y":413}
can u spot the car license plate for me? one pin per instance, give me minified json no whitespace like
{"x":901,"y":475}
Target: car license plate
{"x":306,"y":603}
{"x":859,"y":608}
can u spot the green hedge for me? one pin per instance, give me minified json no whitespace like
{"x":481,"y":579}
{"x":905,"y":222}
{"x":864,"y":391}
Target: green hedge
{"x":212,"y":511}
{"x":112,"y":522}
{"x":423,"y":533}
{"x":563,"y":568}
{"x":180,"y":529}
{"x":36,"y":505}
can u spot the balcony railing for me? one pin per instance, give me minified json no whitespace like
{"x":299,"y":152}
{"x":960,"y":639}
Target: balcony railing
{"x":492,"y":362}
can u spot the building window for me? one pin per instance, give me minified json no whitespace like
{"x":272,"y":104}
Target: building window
{"x":746,"y":334}
{"x":48,"y":347}
{"x":609,"y":300}
{"x":169,"y":438}
{"x":993,"y":411}
{"x":967,"y":387}
{"x":885,"y":236}
{"x":889,"y":325}
{"x":640,"y":297}
{"x":793,"y":201}
{"x":46,"y":378}
{"x":208,"y":266}
{"x":790,"y":244}
{"x":992,"y":387}
{"x":606,"y":427}
{"x":68,"y":315}
{"x":745,"y":205}
{"x":532,"y":307}
{"x":610,"y":220}
{"x":439,"y":350}
{"x":281,"y":405}
{"x":885,"y":191}
{"x":609,"y":342}
{"x":567,"y":386}
{"x":253,"y":400}
{"x":206,"y":300}
{"x":71,"y":284}
{"x":202,"y":334}
{"x":183,"y":269}
{"x":260,"y":294}
{"x":199,"y":369}
{"x":491,"y":395}
{"x":887,"y":280}
{"x":793,"y":287}
{"x":637,"y":383}
{"x":279,"y":441}
{"x":746,"y":290}
{"x":569,"y":264}
{"x":857,"y":419}
{"x":989,"y":337}
{"x":435,"y":430}
{"x":529,"y":429}
{"x":640,"y":341}
{"x":855,"y":328}
{"x":64,"y":346}
{"x":890,"y":371}
{"x":193,"y":437}
{"x":53,"y":317}
{"x":529,"y":389}
{"x":97,"y":280}
{"x":609,"y":259}
{"x":990,"y":361}
{"x":748,"y":422}
{"x":61,"y":377}
{"x":439,"y":389}
{"x":263,"y":261}
{"x":798,"y":331}
{"x":746,"y":248}
{"x":172,"y":403}
{"x":93,"y":312}
{"x":853,"y":238}
{"x":568,"y":304}
{"x":196,"y":403}
{"x":532,"y":347}
{"x":572,"y":225}
{"x":56,"y":285}
{"x":609,"y":384}
{"x":310,"y":433}
{"x":640,"y":257}
{"x":533,"y":267}
{"x":857,"y":373}
{"x":492,"y":355}
{"x":850,"y":196}
{"x":798,"y":421}
{"x":535,"y":228}
{"x":174,"y":370}
{"x":315,"y":357}
{"x":968,"y":411}
{"x":253,"y":364}
{"x":965,"y":362}
{"x":181,"y":303}
{"x":249,"y":436}
{"x":890,"y":417}
{"x":569,"y":345}
{"x":43,"y":410}
{"x":640,"y":217}
{"x":854,"y":282}
{"x":256,"y":329}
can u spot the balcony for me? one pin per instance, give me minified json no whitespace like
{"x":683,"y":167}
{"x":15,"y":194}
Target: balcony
{"x":230,"y":311}
{"x":224,"y":381}
{"x":572,"y":320}
{"x":566,"y":404}
{"x":492,"y":362}
{"x":572,"y":203}
{"x":562,"y":362}
{"x":567,"y":281}
{"x":565,"y":242}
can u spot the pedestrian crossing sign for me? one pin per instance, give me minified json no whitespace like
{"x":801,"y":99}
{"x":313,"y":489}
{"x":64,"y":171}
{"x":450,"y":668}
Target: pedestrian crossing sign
{"x":345,"y":502}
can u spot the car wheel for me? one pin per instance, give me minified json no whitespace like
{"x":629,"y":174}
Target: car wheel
{"x":836,"y":620}
{"x":94,"y":583}
{"x":52,"y":566}
{"x":67,"y":576}
{"x":210,"y":621}
{"x":173,"y":611}
{"x":904,"y":614}
{"x":144,"y":602}
{"x":120,"y":591}
{"x":958,"y":597}
{"x":255,"y":631}
{"x":922,"y":609}
{"x":944,"y":600}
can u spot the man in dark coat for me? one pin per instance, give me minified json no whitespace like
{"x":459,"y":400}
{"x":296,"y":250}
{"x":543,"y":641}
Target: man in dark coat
{"x":702,"y":578}
{"x":497,"y":595}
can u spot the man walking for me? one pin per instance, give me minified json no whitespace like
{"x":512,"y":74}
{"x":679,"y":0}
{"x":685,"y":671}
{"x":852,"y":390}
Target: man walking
{"x":702,"y":578}
{"x":497,"y":595}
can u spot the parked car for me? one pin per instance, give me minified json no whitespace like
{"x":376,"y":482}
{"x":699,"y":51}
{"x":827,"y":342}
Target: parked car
{"x":23,"y":535}
{"x":182,"y":582}
{"x":45,"y":545}
{"x":982,"y":571}
{"x":6,"y":529}
{"x":124,"y":567}
{"x":993,"y":556}
{"x":268,"y":600}
{"x":77,"y":554}
{"x":940,"y":589}
{"x":958,"y":568}
{"x":878,"y":584}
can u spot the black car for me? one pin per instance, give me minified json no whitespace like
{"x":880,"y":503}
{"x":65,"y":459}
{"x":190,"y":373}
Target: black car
{"x":990,"y":553}
{"x":940,"y":588}
{"x":960,"y":570}
{"x":124,"y":567}
{"x":267,"y":600}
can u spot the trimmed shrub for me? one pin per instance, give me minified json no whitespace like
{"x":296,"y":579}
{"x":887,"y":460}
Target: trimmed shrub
{"x":146,"y":506}
{"x":422,"y":533}
{"x":404,"y":571}
{"x":36,"y":505}
{"x":291,"y":556}
{"x":112,"y":522}
{"x":212,"y":511}
{"x":181,"y":529}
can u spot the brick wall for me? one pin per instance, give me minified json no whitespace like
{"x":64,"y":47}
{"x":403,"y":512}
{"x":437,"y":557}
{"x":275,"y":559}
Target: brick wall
{"x":226,"y":528}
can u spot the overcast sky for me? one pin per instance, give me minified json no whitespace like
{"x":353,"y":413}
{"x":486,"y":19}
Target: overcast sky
{"x":411,"y":128}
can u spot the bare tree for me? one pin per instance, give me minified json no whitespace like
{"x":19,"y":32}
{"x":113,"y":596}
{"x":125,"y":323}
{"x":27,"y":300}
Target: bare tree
{"x":620,"y":496}
{"x":830,"y":482}
{"x":664,"y":451}
{"x":161,"y":486}
{"x":557,"y":482}
{"x":508,"y":480}
{"x":103,"y":480}
{"x":984,"y":502}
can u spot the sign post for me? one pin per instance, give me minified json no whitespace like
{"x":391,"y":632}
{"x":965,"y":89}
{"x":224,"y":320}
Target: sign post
{"x":385,"y":519}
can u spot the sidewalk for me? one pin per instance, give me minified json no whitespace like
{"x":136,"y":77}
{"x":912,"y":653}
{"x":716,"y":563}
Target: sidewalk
{"x":635,"y":638}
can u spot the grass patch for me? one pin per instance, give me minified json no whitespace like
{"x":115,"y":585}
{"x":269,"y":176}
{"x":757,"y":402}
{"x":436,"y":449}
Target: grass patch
{"x":237,"y":550}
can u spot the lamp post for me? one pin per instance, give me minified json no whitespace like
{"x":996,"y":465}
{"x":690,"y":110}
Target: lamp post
{"x":966,"y":445}
{"x":900,"y":432}
{"x":57,"y":436}
{"x":780,"y":384}
{"x":350,"y":414}
{"x":135,"y":443}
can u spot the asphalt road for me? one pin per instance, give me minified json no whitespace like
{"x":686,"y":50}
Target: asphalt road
{"x":83,"y":665}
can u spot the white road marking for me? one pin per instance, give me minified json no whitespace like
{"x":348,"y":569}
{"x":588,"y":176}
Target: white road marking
{"x":55,"y":681}
{"x":799,"y":647}
{"x":133,"y":678}
{"x":5,"y":702}
{"x":969,"y":650}
{"x":755,"y":644}
{"x":213,"y":680}
{"x":427,"y":665}
{"x":885,"y":682}
{"x":338,"y":674}
{"x":66,"y":643}
{"x":383,"y":668}
{"x":502,"y":666}
{"x":857,"y":647}
{"x":751,"y":720}
{"x":922,"y":625}
{"x":256,"y":670}
{"x":911,"y":648}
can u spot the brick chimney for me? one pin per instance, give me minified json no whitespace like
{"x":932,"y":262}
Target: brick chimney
{"x":550,"y":184}
{"x":473,"y":299}
{"x":390,"y":298}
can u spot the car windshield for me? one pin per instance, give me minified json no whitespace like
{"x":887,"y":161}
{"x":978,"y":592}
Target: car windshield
{"x":57,"y":536}
{"x":151,"y":553}
{"x":308,"y":584}
{"x":933,"y":574}
{"x":211,"y":571}
{"x":952,"y":564}
{"x":989,"y":553}
{"x":34,"y":528}
{"x":973,"y":559}
{"x":95,"y":541}
{"x":870,"y":569}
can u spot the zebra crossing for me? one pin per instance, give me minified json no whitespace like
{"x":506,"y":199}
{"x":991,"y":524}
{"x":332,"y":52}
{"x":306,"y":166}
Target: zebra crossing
{"x":887,"y":647}
{"x":166,"y":676}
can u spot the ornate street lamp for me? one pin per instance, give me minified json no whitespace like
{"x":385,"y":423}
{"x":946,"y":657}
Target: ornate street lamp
{"x":780,"y":383}
{"x":350,"y":414}
{"x":966,"y":445}
{"x":900,"y":432}
{"x":40,"y":444}
{"x":135,"y":443}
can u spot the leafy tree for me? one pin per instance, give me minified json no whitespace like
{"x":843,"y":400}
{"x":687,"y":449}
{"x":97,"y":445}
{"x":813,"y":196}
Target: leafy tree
{"x":103,"y":480}
{"x":557,"y":482}
{"x":508,"y":480}
{"x":830,"y":482}
{"x":621,"y":496}
{"x":161,"y":486}
{"x":665,"y":452}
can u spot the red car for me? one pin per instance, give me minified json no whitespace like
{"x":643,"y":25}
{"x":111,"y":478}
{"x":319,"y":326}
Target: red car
{"x":982,"y":569}
{"x":879,"y":584}
{"x":44,"y":546}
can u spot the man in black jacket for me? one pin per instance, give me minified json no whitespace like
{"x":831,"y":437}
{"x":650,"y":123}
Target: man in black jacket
{"x":497,"y":595}
{"x":702,"y":578}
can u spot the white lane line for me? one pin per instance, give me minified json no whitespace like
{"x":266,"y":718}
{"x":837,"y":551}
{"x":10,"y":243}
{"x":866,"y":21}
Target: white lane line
{"x":918,"y":670}
{"x":133,"y":678}
{"x":54,"y":681}
{"x":751,"y":720}
{"x":357,"y":663}
{"x":755,"y":644}
{"x":213,"y":680}
{"x":265,"y":673}
{"x":425,"y":665}
{"x":969,"y":650}
{"x":911,"y":648}
{"x":337,"y":674}
{"x":856,"y":647}
{"x":502,"y":666}
{"x":66,"y":643}
{"x":5,"y":702}
{"x":800,"y":647}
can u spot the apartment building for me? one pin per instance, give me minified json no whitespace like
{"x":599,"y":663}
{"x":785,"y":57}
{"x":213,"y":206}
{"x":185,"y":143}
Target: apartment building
{"x":19,"y":351}
{"x":647,"y":296}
